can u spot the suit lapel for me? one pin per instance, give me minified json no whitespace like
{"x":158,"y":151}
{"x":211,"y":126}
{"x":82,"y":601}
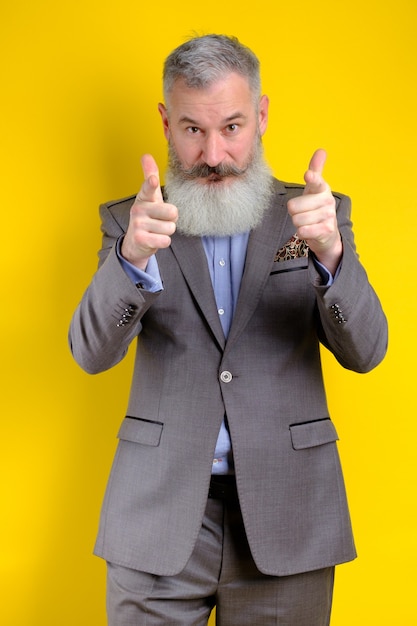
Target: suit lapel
{"x":192,"y":260}
{"x":262,"y":246}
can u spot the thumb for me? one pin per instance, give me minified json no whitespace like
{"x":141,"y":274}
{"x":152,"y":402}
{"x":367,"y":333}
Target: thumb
{"x":315,"y":182}
{"x":151,"y":190}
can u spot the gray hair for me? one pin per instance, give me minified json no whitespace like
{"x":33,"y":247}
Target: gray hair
{"x":201,"y":61}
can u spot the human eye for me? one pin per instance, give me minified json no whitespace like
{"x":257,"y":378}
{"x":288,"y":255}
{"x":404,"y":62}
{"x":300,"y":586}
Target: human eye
{"x":232,"y":129}
{"x":192,"y":130}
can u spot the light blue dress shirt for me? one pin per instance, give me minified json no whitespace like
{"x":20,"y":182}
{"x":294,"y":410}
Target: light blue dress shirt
{"x":226,"y":260}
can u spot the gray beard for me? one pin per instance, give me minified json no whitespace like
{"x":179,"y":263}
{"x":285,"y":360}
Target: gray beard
{"x":217,"y":209}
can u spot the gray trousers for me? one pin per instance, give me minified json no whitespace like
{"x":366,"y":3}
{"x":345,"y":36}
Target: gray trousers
{"x":220,"y":573}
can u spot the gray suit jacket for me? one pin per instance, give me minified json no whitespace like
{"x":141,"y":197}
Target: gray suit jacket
{"x":267,"y":378}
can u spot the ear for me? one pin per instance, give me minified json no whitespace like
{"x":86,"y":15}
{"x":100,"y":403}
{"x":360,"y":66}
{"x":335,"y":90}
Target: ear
{"x":263,"y":114}
{"x":165,"y":122}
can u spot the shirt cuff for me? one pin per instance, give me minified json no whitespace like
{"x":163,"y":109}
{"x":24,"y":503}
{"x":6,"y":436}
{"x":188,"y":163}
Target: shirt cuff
{"x":326,"y":276}
{"x":149,"y":280}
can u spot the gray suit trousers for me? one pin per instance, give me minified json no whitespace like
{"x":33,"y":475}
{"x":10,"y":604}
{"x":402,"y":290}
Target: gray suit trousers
{"x":220,"y":573}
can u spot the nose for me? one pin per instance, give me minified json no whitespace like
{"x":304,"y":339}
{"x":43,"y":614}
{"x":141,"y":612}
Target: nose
{"x":213,"y":149}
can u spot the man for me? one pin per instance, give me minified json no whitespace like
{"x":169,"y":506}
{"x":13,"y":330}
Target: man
{"x":226,"y":489}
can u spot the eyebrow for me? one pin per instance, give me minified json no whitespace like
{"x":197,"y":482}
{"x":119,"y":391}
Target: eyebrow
{"x":189,"y":120}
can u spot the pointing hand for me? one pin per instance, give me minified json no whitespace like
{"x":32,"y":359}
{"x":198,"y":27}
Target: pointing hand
{"x":314,"y":215}
{"x":152,"y":221}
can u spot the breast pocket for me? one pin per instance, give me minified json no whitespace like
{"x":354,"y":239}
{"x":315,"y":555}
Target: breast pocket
{"x":312,"y":434}
{"x":292,"y":265}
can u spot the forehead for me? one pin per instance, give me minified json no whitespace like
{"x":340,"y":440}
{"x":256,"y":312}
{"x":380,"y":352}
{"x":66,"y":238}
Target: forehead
{"x":222,"y":98}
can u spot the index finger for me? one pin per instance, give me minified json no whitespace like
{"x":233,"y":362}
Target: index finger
{"x":317,"y":161}
{"x":151,"y":190}
{"x":314,"y":175}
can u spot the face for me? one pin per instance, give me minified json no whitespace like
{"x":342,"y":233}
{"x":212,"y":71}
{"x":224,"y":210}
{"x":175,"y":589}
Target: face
{"x":216,"y":126}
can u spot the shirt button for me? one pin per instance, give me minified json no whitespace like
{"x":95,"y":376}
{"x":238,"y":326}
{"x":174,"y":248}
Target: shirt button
{"x":226,"y":376}
{"x":222,"y":262}
{"x":220,"y":311}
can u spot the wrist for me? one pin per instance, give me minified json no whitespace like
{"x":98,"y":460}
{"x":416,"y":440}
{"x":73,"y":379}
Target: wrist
{"x":139,"y":261}
{"x":331,"y":258}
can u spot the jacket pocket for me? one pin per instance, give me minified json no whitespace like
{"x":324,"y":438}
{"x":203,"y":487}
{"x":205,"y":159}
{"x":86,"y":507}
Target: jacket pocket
{"x":311,"y":434}
{"x":141,"y":431}
{"x":292,"y":265}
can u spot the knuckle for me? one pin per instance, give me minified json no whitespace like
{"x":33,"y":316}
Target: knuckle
{"x":291,"y":206}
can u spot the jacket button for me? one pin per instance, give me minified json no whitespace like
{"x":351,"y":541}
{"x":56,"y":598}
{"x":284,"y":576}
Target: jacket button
{"x":226,"y":376}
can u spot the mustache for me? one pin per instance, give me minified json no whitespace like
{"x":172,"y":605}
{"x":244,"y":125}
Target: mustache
{"x":202,"y":170}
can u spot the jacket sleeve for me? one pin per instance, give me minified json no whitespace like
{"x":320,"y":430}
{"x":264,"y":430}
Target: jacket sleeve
{"x":352,"y":323}
{"x":108,"y":318}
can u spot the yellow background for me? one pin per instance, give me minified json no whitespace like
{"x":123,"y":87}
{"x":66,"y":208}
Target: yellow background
{"x":80,"y":82}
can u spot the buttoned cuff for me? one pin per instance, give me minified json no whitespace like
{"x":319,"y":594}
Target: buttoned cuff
{"x":149,"y":280}
{"x":326,"y":276}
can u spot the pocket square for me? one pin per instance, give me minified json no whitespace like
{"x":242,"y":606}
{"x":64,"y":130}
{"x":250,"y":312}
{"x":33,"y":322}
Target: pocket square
{"x":293,"y":249}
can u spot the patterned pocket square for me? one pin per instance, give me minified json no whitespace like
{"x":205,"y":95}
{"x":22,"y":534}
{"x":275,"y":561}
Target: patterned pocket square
{"x":293,"y":249}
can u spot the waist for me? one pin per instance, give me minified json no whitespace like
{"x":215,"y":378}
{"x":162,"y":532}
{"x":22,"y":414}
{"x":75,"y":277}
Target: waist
{"x":223,"y":487}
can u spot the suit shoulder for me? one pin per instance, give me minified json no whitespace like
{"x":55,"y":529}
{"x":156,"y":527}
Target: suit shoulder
{"x":117,"y":210}
{"x":118,"y":206}
{"x":295,"y":189}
